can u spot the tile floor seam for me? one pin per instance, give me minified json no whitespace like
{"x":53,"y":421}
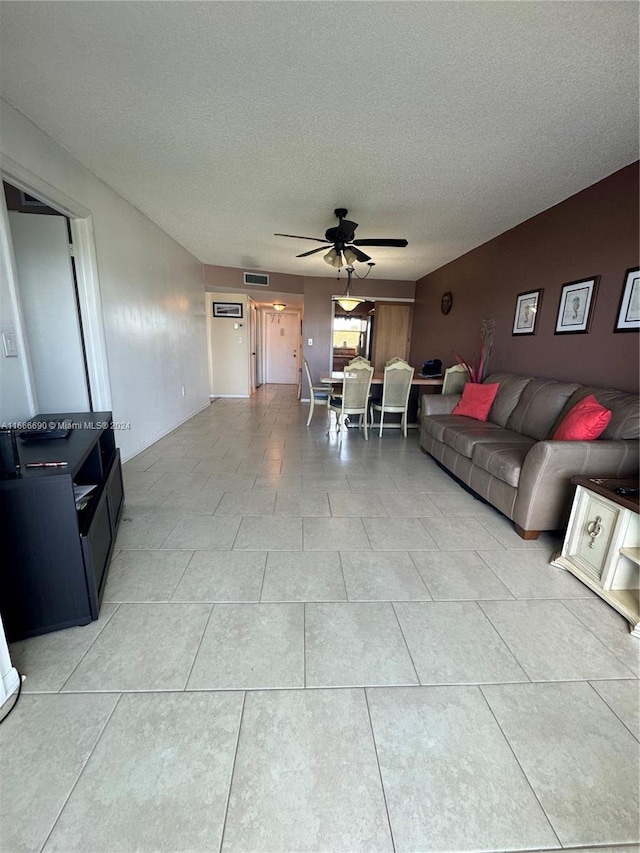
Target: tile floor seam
{"x":515,"y":656}
{"x":517,"y":760}
{"x":86,"y":651}
{"x":582,"y":622}
{"x":404,"y":640}
{"x":375,"y":749}
{"x":613,"y":710}
{"x":193,"y":662}
{"x":233,"y":769}
{"x":81,"y":771}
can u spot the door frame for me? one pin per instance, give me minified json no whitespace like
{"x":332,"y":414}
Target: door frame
{"x":89,"y":296}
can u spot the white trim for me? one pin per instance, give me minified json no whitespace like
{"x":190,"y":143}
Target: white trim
{"x":229,"y":396}
{"x":86,"y":274}
{"x":9,"y":685}
{"x":9,"y":262}
{"x":165,"y":432}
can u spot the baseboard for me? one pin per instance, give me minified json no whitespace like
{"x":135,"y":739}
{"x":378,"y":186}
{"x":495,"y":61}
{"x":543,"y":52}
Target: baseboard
{"x":166,"y":432}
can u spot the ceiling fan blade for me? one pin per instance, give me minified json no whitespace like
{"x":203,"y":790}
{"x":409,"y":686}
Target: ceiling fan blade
{"x":359,"y":255}
{"x":297,"y":237}
{"x":312,"y":252}
{"x":345,"y":231}
{"x":381,"y":242}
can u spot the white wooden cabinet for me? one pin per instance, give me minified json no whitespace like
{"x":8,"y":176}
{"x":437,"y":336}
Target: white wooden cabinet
{"x":601,"y":546}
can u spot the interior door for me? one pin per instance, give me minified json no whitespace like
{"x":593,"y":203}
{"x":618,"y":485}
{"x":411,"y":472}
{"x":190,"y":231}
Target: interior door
{"x":392,"y":332}
{"x":282,"y":339}
{"x":50,"y":311}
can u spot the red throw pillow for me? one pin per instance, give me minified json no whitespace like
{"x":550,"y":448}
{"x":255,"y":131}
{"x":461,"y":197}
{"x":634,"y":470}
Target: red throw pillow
{"x":586,"y":421}
{"x":477,"y":400}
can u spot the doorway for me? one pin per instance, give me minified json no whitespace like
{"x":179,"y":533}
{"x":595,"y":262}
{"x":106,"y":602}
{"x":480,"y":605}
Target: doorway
{"x":282,"y":343}
{"x":47,"y":286}
{"x":83,"y":318}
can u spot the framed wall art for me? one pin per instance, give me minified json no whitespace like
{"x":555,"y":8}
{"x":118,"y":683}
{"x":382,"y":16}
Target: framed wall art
{"x":629,"y":311}
{"x":576,"y":306}
{"x":227,"y":309}
{"x":527,"y":310}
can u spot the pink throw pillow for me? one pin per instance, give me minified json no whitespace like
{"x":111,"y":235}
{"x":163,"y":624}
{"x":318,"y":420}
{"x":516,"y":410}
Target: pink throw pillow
{"x":586,"y":421}
{"x":477,"y":400}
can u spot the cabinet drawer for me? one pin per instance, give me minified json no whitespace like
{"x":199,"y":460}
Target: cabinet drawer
{"x":598,"y":524}
{"x":96,"y":549}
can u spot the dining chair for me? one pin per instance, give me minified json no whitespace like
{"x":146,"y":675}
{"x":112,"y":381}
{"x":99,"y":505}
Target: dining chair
{"x":359,"y":359}
{"x":356,"y":388}
{"x":455,"y":378}
{"x":396,"y":386}
{"x":317,"y":393}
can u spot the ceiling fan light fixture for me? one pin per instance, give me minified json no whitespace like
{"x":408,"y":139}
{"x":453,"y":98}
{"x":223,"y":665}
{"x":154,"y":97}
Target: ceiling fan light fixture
{"x":279,"y":306}
{"x":350,"y":256}
{"x":333,"y":258}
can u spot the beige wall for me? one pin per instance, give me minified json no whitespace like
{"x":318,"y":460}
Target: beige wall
{"x":228,"y":348}
{"x":593,"y":233}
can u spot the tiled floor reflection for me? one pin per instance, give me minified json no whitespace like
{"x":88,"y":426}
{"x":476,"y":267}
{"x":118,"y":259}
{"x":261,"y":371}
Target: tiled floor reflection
{"x":320,"y":643}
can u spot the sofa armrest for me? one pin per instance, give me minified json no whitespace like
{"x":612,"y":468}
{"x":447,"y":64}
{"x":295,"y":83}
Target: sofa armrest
{"x":545,"y":490}
{"x":438,"y":404}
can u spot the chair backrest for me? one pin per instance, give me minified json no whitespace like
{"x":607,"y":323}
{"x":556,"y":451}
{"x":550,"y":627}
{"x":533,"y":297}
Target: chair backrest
{"x":307,"y":372}
{"x":455,"y":378}
{"x":356,"y":386}
{"x":359,"y":359}
{"x":398,"y":376}
{"x":395,"y":359}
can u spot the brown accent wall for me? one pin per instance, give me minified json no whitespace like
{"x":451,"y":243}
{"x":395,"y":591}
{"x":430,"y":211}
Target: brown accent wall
{"x":595,"y":232}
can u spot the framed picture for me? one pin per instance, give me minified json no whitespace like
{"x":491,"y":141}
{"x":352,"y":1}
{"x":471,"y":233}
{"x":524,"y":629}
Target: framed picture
{"x":527,"y":310}
{"x":227,"y":309}
{"x":576,"y":306}
{"x":629,"y":310}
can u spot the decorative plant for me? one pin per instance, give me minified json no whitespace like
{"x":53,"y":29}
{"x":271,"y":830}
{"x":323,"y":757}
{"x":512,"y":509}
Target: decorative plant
{"x":477,"y":372}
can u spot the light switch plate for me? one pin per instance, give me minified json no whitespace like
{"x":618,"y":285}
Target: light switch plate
{"x":9,"y":344}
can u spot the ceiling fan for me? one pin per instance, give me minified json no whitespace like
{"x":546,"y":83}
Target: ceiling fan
{"x":342,"y":242}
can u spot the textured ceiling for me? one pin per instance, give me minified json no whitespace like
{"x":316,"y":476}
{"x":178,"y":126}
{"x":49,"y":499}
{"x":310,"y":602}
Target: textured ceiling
{"x":445,"y":123}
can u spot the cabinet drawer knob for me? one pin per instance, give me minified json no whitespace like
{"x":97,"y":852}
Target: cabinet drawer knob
{"x":594,"y":529}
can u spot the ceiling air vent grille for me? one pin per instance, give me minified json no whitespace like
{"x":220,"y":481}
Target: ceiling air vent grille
{"x":256,"y":278}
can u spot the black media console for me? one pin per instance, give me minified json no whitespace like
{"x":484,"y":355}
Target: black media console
{"x":54,"y":556}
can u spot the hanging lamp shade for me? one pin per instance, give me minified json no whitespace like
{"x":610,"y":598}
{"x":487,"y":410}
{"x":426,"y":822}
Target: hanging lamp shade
{"x":348,"y":302}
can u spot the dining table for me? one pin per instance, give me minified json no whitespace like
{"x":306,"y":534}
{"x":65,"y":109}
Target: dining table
{"x":430,"y":384}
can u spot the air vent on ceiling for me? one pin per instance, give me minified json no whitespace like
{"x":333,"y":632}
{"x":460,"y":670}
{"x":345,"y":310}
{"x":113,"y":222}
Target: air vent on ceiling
{"x":258,"y":278}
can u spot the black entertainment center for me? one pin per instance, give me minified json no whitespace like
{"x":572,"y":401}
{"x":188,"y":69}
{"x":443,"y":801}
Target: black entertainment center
{"x":55,"y":541}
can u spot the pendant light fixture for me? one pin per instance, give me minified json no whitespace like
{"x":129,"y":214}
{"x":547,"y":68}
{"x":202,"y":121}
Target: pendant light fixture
{"x":348,"y":302}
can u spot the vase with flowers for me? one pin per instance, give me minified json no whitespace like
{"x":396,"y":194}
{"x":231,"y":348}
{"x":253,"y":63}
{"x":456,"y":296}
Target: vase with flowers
{"x":478,"y":368}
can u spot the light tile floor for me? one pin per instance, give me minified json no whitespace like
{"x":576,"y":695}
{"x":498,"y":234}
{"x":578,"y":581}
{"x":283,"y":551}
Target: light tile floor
{"x":319,"y":643}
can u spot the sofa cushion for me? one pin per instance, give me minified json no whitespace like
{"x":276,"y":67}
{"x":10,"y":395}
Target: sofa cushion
{"x":624,"y":407}
{"x":511,"y":387}
{"x":585,"y":422}
{"x":435,"y":425}
{"x":476,"y":400}
{"x":539,"y":406}
{"x":503,"y":461}
{"x":463,"y":437}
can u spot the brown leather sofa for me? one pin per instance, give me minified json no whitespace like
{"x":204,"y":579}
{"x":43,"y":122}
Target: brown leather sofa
{"x":510,"y":461}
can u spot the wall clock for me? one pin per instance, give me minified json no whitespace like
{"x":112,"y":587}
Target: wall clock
{"x":446,"y":302}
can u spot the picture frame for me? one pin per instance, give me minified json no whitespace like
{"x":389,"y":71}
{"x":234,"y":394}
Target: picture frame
{"x":575,"y":310}
{"x":525,"y":320}
{"x":628,"y":319}
{"x":227,"y":309}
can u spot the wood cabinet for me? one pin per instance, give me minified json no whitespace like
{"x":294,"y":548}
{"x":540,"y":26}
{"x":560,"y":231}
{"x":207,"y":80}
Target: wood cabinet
{"x":391,"y":332}
{"x":55,"y":556}
{"x":601,"y":546}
